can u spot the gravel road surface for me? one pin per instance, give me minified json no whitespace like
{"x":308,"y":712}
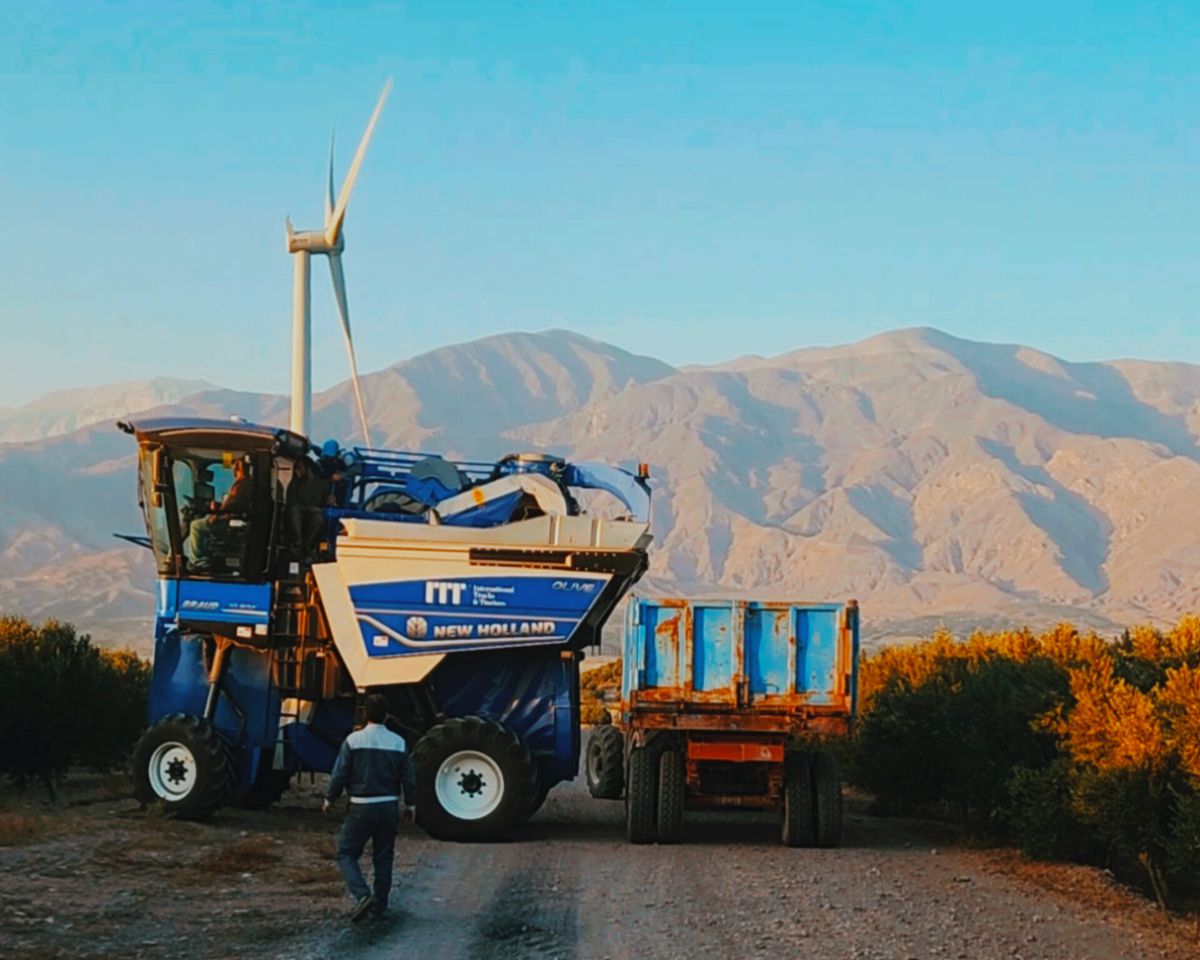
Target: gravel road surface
{"x":99,"y":879}
{"x":569,"y":886}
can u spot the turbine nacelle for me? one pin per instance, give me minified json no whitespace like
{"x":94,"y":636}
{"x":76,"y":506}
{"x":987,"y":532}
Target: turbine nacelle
{"x":313,"y":241}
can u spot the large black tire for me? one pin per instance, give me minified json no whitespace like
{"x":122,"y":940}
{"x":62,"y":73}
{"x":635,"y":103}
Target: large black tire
{"x":539,"y":800}
{"x":671,"y":786}
{"x":267,"y":788}
{"x":641,"y":795}
{"x":182,"y":764}
{"x":605,"y":763}
{"x":827,"y":794}
{"x":475,"y":780}
{"x":798,"y":801}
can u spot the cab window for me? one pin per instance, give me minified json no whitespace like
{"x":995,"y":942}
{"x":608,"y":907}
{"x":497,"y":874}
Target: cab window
{"x":154,"y":510}
{"x":215,"y":495}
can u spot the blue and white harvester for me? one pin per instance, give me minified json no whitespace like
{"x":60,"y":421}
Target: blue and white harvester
{"x":463,"y":592}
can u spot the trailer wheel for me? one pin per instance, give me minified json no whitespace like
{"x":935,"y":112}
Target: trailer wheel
{"x":182,"y":764}
{"x":670,"y":796}
{"x":475,"y":780}
{"x":827,"y":792}
{"x":640,"y":795}
{"x":798,"y":801}
{"x":605,"y":763}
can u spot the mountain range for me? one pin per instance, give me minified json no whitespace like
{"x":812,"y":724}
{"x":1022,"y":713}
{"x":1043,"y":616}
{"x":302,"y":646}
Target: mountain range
{"x":938,"y":480}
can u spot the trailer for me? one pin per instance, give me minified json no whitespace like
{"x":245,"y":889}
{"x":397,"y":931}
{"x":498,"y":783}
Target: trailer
{"x":730,"y":704}
{"x":464,"y":592}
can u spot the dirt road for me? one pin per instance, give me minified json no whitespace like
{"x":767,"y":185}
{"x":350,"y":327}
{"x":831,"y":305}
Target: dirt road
{"x":104,"y":880}
{"x":571,"y":887}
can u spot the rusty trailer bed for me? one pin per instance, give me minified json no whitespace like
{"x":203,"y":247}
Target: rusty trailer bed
{"x":731,"y":704}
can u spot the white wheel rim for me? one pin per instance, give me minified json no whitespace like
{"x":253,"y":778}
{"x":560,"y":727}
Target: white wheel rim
{"x":172,"y":770}
{"x":469,"y":785}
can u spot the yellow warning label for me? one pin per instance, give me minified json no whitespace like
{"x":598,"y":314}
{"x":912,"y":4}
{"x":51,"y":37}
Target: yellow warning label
{"x":478,"y":496}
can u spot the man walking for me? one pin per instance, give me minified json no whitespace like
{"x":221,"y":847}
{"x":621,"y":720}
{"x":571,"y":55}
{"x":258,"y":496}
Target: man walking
{"x":373,"y":768}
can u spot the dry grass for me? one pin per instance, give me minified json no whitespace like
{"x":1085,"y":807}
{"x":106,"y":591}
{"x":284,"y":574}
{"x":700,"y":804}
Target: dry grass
{"x":314,"y":873}
{"x":246,"y":855}
{"x":18,"y":828}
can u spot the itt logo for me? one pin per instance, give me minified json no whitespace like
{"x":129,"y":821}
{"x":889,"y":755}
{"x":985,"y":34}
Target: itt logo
{"x":444,"y":593}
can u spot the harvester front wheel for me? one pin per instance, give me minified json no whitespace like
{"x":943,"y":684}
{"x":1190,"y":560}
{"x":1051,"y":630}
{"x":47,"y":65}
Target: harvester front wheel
{"x":475,"y":780}
{"x":606,"y":763}
{"x":182,"y":764}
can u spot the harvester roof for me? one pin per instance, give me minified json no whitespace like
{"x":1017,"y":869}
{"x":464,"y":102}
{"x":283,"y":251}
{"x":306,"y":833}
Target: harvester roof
{"x":208,"y":431}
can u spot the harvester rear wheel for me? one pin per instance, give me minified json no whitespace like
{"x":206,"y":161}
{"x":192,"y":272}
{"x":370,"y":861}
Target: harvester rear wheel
{"x":641,"y":798}
{"x":671,"y":785}
{"x":606,"y":763}
{"x":475,"y":780}
{"x":182,"y":764}
{"x":827,"y":793}
{"x":798,"y":801}
{"x":268,"y":787}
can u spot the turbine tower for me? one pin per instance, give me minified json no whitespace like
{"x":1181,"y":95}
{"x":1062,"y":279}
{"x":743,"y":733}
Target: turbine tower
{"x":330,"y":242}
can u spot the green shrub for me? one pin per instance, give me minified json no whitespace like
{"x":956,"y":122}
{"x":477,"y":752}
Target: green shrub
{"x":64,"y":701}
{"x":1042,"y":817}
{"x":1073,"y":747}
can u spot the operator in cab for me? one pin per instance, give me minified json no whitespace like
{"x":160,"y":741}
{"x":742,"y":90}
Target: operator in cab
{"x":306,"y":495}
{"x":236,"y":501}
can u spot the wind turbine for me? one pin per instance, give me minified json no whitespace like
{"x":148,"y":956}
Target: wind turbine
{"x":330,"y":242}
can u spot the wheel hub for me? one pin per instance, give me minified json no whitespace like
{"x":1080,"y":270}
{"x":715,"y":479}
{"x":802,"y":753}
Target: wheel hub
{"x":469,"y":785}
{"x":472,"y":783}
{"x":172,"y":770}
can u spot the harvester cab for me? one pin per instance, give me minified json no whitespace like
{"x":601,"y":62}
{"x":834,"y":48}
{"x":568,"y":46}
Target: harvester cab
{"x":212,"y":496}
{"x":465,"y":592}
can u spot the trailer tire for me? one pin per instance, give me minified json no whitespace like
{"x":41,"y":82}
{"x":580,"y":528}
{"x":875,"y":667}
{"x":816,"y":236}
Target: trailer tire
{"x":640,"y":795}
{"x":182,"y":764}
{"x":827,"y":794}
{"x":671,"y":785}
{"x":605,"y":763}
{"x":798,"y":815}
{"x":476,"y":780}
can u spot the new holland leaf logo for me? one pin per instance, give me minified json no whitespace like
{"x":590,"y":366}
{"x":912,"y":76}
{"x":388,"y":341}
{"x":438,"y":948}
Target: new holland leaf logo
{"x":416,"y":628}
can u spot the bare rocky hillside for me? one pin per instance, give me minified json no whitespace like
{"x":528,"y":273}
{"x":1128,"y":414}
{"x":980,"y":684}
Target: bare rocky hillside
{"x":936,"y":479}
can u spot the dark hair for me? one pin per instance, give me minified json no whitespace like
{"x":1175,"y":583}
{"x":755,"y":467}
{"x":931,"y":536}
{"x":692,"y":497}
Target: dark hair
{"x":376,"y":708}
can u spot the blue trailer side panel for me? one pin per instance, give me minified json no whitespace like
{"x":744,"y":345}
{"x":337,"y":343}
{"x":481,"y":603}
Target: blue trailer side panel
{"x":743,"y":654}
{"x":712,"y":659}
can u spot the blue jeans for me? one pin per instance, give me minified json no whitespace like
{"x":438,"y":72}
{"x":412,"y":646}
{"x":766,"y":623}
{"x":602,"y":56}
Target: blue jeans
{"x":375,"y":822}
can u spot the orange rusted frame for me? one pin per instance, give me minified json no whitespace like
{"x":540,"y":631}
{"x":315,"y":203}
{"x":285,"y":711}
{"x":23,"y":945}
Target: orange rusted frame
{"x":735,"y":751}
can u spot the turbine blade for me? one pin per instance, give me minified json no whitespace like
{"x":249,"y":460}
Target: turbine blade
{"x":339,"y":212}
{"x":329,"y":194}
{"x":339,"y":294}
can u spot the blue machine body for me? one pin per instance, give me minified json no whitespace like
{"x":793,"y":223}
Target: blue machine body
{"x":506,"y":633}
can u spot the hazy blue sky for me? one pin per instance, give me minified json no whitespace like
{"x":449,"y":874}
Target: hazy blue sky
{"x":689,"y":180}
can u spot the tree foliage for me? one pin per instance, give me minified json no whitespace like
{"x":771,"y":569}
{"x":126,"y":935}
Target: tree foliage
{"x":1073,"y":746}
{"x":65,"y":701}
